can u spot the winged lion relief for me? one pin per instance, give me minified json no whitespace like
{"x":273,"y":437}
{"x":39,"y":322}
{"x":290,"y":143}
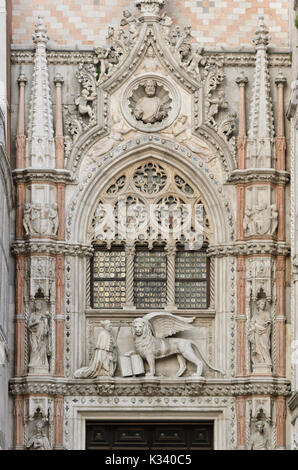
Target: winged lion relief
{"x":151,"y":339}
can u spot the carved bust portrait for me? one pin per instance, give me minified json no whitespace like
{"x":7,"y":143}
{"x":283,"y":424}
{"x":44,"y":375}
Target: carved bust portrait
{"x":150,"y":102}
{"x":150,"y":107}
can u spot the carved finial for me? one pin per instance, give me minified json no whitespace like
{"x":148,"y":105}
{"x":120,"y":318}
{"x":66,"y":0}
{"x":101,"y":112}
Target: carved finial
{"x":150,"y":9}
{"x":262,"y":33}
{"x":241,"y":79}
{"x":40,"y":36}
{"x":280,"y":79}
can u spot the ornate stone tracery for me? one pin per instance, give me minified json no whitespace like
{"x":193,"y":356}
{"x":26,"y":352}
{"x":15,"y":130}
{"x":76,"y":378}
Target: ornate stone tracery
{"x":161,"y":190}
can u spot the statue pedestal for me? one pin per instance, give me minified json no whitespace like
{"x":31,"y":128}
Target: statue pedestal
{"x":35,"y":370}
{"x":262,"y":369}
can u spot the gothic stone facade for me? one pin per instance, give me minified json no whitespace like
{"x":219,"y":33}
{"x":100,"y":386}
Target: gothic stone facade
{"x":152,"y":119}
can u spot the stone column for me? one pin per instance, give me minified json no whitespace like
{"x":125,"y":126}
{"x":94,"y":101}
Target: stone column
{"x":130,"y":256}
{"x":241,"y":316}
{"x":240,"y":210}
{"x":21,"y":198}
{"x":59,"y":319}
{"x":58,"y":422}
{"x":280,"y":131}
{"x":242,"y":80}
{"x":280,"y":317}
{"x":60,"y":188}
{"x":171,"y":255}
{"x":18,"y":414}
{"x":240,"y":413}
{"x":20,"y":318}
{"x":59,"y":138}
{"x":20,"y":137}
{"x":280,"y":204}
{"x":280,"y":423}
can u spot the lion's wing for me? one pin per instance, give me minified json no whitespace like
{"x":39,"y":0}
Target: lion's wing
{"x":166,"y":324}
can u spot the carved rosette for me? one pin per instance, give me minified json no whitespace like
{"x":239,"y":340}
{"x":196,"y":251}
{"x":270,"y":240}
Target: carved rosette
{"x":150,"y":103}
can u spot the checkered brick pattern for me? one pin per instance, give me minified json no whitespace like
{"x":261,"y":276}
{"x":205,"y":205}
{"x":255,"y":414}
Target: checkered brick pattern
{"x":214,"y":22}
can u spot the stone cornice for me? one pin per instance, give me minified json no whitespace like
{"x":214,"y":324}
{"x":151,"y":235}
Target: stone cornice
{"x":51,"y":247}
{"x":251,"y":247}
{"x":262,"y":175}
{"x":188,"y":386}
{"x":25,"y":175}
{"x":230,"y":58}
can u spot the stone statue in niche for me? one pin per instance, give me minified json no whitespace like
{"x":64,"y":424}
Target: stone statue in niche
{"x":38,"y":441}
{"x":39,"y":345}
{"x":148,"y":106}
{"x":104,"y":361}
{"x":197,"y":60}
{"x":82,"y":103}
{"x":151,"y":342}
{"x":27,"y":218}
{"x":259,"y":335}
{"x":214,"y":103}
{"x":259,"y":440}
{"x":260,"y":220}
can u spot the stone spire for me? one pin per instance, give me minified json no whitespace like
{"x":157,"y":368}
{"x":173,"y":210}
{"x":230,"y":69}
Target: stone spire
{"x":40,"y":143}
{"x":150,"y":9}
{"x":260,"y":144}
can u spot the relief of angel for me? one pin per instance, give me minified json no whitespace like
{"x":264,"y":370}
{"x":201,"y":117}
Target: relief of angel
{"x":150,"y":337}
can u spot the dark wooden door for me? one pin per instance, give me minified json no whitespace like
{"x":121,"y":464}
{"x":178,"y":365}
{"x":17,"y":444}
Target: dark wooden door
{"x":149,"y":436}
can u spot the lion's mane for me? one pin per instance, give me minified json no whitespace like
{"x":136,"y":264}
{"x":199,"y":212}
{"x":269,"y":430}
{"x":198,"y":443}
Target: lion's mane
{"x":144,"y":342}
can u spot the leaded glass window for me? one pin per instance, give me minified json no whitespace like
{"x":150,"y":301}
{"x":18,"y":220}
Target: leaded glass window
{"x":191,"y":285}
{"x":150,"y":278}
{"x":108,"y":278}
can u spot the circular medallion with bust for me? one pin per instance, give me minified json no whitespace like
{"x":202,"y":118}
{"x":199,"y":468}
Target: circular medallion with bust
{"x":150,"y":103}
{"x":150,"y":108}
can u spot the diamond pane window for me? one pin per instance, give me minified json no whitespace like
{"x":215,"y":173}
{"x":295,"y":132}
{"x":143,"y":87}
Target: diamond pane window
{"x":108,"y":278}
{"x":191,"y":285}
{"x":150,"y":278}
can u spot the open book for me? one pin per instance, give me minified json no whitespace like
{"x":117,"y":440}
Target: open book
{"x":131,"y":365}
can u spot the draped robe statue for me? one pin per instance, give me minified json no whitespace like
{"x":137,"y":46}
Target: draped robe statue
{"x":104,"y":360}
{"x":38,"y":327}
{"x":259,"y":334}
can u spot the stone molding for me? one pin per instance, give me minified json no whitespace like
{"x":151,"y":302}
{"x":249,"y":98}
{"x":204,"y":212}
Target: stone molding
{"x":150,"y":387}
{"x":29,"y":175}
{"x":51,"y":247}
{"x":250,"y":247}
{"x":257,"y":175}
{"x":69,"y":57}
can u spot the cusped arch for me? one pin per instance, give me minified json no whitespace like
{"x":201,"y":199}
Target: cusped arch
{"x":84,"y":202}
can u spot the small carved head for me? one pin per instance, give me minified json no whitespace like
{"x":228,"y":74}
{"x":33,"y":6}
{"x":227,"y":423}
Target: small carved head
{"x":261,"y":304}
{"x":260,"y":425}
{"x":139,"y":327}
{"x":106,"y":324}
{"x":150,"y":87}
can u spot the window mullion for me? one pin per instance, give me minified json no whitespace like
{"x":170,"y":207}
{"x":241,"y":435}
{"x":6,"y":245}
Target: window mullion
{"x":171,"y":255}
{"x":130,"y":251}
